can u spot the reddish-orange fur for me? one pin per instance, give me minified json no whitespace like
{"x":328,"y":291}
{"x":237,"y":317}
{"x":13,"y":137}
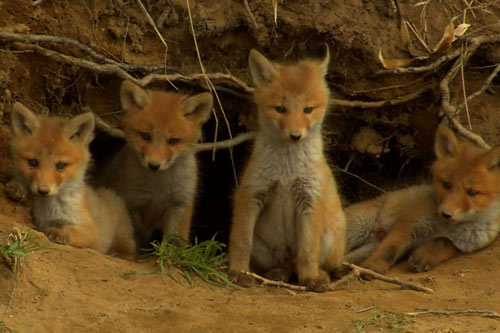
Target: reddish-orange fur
{"x":459,"y":212}
{"x":50,"y":157}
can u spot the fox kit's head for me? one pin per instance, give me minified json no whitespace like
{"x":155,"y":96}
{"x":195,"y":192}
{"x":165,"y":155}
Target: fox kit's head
{"x":466,"y":177}
{"x":48,"y":152}
{"x":161,"y":126}
{"x":292,"y":99}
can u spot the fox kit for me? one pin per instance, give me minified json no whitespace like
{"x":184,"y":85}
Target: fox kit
{"x":287,"y":215}
{"x":50,"y":157}
{"x":156,"y":172}
{"x":459,"y":212}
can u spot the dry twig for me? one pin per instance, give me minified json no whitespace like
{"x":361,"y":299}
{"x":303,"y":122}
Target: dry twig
{"x":360,"y":178}
{"x":98,"y":58}
{"x":481,"y":313}
{"x":114,"y":132}
{"x":357,"y":270}
{"x":252,"y":17}
{"x":485,"y":87}
{"x":279,"y":284}
{"x":422,"y":69}
{"x":378,"y":104}
{"x":449,"y":110}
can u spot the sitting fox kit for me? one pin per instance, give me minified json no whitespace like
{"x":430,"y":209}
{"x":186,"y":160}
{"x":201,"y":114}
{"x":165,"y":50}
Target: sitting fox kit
{"x":50,"y":157}
{"x":459,"y":212}
{"x":156,"y":171}
{"x":287,"y":214}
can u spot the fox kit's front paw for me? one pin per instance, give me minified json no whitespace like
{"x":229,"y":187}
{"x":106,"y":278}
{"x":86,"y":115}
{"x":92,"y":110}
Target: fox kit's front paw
{"x":241,"y":279}
{"x":56,"y":235}
{"x":378,"y":266}
{"x":420,"y":264}
{"x":318,"y":284}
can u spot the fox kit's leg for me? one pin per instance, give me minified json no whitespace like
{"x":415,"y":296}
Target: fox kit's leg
{"x":123,"y":242}
{"x":81,"y":236}
{"x":308,"y":246}
{"x":177,"y":220}
{"x":429,"y":255}
{"x":397,"y":242}
{"x":245,"y":213}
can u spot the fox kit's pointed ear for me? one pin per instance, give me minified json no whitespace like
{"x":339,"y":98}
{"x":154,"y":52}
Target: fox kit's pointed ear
{"x":81,"y":128}
{"x":262,"y":70}
{"x":446,"y":143}
{"x":198,"y":107}
{"x":132,"y":95}
{"x":23,"y":121}
{"x":492,"y":158}
{"x":322,"y":54}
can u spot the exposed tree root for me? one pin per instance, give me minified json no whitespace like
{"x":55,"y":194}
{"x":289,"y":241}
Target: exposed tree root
{"x":103,"y":65}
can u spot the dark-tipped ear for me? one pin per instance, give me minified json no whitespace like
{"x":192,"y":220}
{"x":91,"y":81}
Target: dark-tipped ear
{"x":81,"y":128}
{"x":198,"y":107}
{"x":262,"y":70}
{"x":492,"y":157}
{"x":132,"y":95}
{"x":23,"y":121}
{"x":446,"y":143}
{"x":321,"y":53}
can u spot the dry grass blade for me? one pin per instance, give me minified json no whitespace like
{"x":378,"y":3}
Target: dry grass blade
{"x":275,"y":12}
{"x":214,"y":91}
{"x":250,"y":14}
{"x":419,"y":38}
{"x":150,"y":20}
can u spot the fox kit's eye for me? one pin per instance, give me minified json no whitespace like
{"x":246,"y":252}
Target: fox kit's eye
{"x":279,"y":109}
{"x":447,"y":185}
{"x":173,"y":141}
{"x":32,"y":162}
{"x":472,"y":193}
{"x":308,"y":109}
{"x":60,"y":166}
{"x":145,"y":136}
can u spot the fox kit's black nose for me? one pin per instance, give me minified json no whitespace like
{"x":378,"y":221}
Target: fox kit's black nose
{"x":153,"y":166}
{"x":295,"y":137}
{"x":446,"y":214}
{"x":43,"y":192}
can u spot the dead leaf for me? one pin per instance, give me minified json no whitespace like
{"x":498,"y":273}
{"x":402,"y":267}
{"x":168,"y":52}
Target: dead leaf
{"x":445,"y":43}
{"x":460,"y":30}
{"x":393,"y":63}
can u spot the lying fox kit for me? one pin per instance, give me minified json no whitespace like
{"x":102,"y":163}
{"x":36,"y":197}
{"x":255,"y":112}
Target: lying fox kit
{"x":50,"y":157}
{"x":287,"y":215}
{"x":459,"y":212}
{"x":156,"y":170}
